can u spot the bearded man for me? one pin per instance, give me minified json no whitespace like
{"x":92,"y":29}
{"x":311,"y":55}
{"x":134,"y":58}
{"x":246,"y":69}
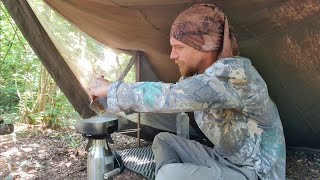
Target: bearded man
{"x":229,"y":99}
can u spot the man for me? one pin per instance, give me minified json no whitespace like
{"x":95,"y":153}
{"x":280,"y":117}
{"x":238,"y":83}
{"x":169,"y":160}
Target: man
{"x":229,"y":98}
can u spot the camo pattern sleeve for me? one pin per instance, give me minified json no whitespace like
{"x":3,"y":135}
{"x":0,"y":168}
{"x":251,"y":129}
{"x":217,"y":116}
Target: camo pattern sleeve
{"x":232,"y":107}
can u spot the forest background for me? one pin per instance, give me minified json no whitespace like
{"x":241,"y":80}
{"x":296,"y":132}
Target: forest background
{"x":28,"y":94}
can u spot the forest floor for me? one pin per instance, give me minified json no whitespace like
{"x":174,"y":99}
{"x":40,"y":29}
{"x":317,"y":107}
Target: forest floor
{"x":32,"y":153}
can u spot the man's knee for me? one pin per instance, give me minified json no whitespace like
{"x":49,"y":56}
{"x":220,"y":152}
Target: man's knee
{"x":162,"y":135}
{"x":159,"y":139}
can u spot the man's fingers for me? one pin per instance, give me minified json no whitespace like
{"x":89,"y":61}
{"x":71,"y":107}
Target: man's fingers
{"x":91,"y":93}
{"x":94,"y":97}
{"x":100,"y":77}
{"x":98,"y":88}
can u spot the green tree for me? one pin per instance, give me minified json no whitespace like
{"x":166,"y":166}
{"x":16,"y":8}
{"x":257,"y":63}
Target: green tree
{"x":27,"y":92}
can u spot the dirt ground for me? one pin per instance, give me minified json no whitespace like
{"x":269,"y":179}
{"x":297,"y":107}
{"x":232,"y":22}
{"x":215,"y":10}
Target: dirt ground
{"x":31,"y":153}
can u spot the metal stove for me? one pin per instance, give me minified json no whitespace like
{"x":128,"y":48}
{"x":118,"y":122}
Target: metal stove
{"x":102,"y":162}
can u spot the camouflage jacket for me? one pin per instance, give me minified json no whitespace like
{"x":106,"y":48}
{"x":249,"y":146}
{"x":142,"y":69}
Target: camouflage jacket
{"x":231,"y":105}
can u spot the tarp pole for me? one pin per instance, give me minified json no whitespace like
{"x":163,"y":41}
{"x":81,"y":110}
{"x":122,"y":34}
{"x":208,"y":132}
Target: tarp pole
{"x":125,"y":72}
{"x":138,"y":79}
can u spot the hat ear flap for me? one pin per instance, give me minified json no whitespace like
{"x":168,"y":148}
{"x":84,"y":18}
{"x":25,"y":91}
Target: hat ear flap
{"x":226,"y":50}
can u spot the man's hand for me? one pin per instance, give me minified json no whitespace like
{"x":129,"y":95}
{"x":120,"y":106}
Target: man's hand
{"x":99,"y":88}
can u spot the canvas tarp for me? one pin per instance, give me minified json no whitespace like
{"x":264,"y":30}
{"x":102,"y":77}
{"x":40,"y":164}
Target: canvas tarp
{"x":281,"y":37}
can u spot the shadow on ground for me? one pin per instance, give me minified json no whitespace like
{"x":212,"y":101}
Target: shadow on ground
{"x":30,"y":153}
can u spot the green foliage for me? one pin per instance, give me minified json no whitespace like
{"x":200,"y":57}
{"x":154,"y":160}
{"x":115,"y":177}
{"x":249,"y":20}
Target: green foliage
{"x":18,"y":63}
{"x":25,"y":84}
{"x":27,"y":92}
{"x":120,"y":65}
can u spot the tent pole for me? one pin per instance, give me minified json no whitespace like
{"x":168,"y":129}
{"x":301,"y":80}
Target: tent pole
{"x":130,"y":64}
{"x":138,"y":79}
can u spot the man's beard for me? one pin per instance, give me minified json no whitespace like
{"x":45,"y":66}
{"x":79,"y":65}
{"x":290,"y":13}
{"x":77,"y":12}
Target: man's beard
{"x":186,"y":71}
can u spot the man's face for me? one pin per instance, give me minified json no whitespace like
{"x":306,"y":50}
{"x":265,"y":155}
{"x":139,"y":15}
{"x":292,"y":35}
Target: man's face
{"x":189,"y":60}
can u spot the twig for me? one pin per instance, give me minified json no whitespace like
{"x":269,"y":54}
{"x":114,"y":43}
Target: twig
{"x":11,"y":42}
{"x":13,"y":27}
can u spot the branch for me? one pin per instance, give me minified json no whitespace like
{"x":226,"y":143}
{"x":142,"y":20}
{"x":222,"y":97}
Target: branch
{"x":9,"y":48}
{"x":13,"y":27}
